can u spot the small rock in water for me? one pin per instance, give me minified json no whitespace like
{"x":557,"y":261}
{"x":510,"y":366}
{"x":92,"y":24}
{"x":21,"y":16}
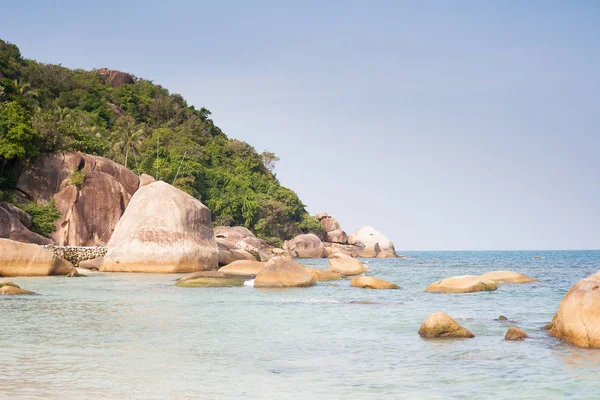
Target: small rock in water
{"x":440,"y":325}
{"x":515,"y":333}
{"x":12,"y":288}
{"x":502,"y":318}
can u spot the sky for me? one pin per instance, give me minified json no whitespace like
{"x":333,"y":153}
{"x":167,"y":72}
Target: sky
{"x":462,"y":125}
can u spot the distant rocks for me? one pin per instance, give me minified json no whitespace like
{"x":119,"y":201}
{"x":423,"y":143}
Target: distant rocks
{"x":305,"y":246}
{"x":163,"y":230}
{"x":440,"y":325}
{"x":373,"y":242}
{"x":462,"y":284}
{"x":280,"y":272}
{"x":115,"y":78}
{"x":333,"y":232}
{"x":22,"y":259}
{"x":507,"y":277}
{"x":345,"y":265}
{"x":368,"y":282}
{"x":348,"y":249}
{"x":578,"y":318}
{"x":515,"y":333}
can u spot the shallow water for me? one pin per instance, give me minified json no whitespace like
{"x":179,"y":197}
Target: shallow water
{"x":136,"y":336}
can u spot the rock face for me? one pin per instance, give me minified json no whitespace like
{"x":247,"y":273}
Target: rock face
{"x":280,"y":272}
{"x":320,"y":275}
{"x":333,"y":232}
{"x":146,"y":179}
{"x":578,"y":318}
{"x":89,"y":211}
{"x":305,"y":246}
{"x":15,"y":224}
{"x":22,"y":259}
{"x":507,"y":277}
{"x":229,"y":253}
{"x":515,"y":333}
{"x":373,"y":242}
{"x":163,"y":230}
{"x":115,"y":78}
{"x":345,"y":265}
{"x":243,"y":268}
{"x":462,"y":284}
{"x":440,"y":325}
{"x":368,"y":282}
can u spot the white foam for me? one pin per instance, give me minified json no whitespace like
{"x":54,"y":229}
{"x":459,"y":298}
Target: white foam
{"x":249,"y":283}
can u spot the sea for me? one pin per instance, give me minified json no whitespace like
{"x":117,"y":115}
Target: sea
{"x":137,"y":336}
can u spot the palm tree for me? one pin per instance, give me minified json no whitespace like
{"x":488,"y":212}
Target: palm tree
{"x":128,"y":136}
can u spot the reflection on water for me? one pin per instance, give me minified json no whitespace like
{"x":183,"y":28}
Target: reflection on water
{"x":135,"y":336}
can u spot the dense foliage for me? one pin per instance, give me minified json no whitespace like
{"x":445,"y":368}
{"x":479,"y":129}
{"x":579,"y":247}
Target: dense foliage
{"x":141,"y":125}
{"x":42,"y":217}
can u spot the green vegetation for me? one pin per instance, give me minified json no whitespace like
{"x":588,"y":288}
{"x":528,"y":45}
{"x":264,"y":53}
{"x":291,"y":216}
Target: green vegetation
{"x":78,"y":178}
{"x":43,"y":217}
{"x":48,"y":108}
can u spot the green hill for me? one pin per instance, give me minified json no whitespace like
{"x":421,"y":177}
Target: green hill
{"x":49,"y":108}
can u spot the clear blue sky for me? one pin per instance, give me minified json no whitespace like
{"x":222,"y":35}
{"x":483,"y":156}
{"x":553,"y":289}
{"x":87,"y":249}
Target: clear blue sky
{"x":445,"y":125}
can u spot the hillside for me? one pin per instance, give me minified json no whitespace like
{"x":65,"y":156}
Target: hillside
{"x":139,"y":124}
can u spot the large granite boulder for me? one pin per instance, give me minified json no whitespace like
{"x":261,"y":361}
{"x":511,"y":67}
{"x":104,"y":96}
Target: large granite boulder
{"x":237,"y":234}
{"x":243,"y":268}
{"x":440,"y":325}
{"x":281,"y":272}
{"x":368,"y":282}
{"x":305,"y":246}
{"x":345,"y":265}
{"x":23,"y":259}
{"x":507,"y":277}
{"x":115,"y":78}
{"x":333,"y":232}
{"x":163,"y":230}
{"x":462,"y":284}
{"x":372,"y":241}
{"x":229,"y":253}
{"x":14,"y":224}
{"x":89,"y":210}
{"x":578,"y":318}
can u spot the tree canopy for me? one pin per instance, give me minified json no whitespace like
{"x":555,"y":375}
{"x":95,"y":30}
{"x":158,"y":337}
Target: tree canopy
{"x":49,"y":108}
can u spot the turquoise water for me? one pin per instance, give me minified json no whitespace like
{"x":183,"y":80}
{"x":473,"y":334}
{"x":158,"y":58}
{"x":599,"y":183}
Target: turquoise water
{"x":128,"y":336}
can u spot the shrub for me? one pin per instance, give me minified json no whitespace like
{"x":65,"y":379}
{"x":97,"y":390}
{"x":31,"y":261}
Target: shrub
{"x":78,"y":178}
{"x":43,"y":217}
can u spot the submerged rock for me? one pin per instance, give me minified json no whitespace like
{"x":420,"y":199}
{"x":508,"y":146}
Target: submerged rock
{"x":23,"y":259}
{"x":305,"y":246}
{"x":462,"y":284}
{"x":11,"y":288}
{"x":507,"y":277}
{"x":280,"y":272}
{"x":578,"y":318}
{"x":515,"y":333}
{"x":210,"y":279}
{"x":368,"y":282}
{"x":164,"y":230}
{"x":440,"y":325}
{"x":502,"y":318}
{"x":345,"y":265}
{"x":321,"y":275}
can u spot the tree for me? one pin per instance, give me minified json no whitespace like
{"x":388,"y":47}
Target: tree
{"x":127,"y":136}
{"x":17,"y":138}
{"x":269,"y":160}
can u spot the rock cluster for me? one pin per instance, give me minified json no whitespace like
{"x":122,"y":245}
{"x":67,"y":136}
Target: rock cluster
{"x":333,"y":232}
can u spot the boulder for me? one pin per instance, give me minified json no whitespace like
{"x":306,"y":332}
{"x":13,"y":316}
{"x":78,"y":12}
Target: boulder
{"x":368,"y":282}
{"x":515,"y":333}
{"x":281,"y":272}
{"x":146,"y":179}
{"x":12,"y":288}
{"x":578,"y":318}
{"x":462,"y":284}
{"x":89,"y":211}
{"x":333,"y":232}
{"x":320,"y":216}
{"x":22,"y":259}
{"x":244,"y":268}
{"x":305,"y":246}
{"x":93,"y":265}
{"x":440,"y":325}
{"x":373,"y":242}
{"x":164,"y":230}
{"x":210,"y":279}
{"x":321,"y":275}
{"x":337,"y":236}
{"x":12,"y":225}
{"x":348,"y":249}
{"x":330,"y":224}
{"x":235,"y":234}
{"x":115,"y":78}
{"x":507,"y":277}
{"x":344,"y":264}
{"x":229,"y":253}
